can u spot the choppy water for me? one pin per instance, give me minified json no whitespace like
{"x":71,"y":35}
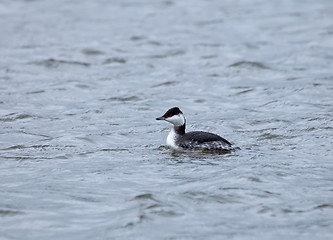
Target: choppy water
{"x":81,"y":82}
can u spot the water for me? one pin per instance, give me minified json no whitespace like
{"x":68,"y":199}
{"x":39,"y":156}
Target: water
{"x":82,"y":157}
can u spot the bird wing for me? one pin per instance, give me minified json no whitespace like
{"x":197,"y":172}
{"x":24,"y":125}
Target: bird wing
{"x":202,"y":137}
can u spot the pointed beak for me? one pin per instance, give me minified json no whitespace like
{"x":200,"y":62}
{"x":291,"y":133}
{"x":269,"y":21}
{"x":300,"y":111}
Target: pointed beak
{"x":160,"y":118}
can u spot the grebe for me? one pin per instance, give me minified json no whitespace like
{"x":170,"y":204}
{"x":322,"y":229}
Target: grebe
{"x":196,"y":140}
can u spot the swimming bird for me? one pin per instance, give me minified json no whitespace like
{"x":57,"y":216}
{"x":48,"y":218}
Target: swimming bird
{"x":197,"y":140}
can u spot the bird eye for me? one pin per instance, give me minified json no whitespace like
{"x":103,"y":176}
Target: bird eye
{"x":170,"y":115}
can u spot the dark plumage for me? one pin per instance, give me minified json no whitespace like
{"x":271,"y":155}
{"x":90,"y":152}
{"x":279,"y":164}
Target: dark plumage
{"x":192,"y":140}
{"x":171,"y":112}
{"x":206,"y":141}
{"x":202,"y":137}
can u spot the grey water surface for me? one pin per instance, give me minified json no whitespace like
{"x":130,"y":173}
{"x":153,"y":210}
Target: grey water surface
{"x":81,"y":83}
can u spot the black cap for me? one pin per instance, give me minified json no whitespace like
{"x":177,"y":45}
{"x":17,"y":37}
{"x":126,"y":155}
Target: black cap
{"x":171,"y":112}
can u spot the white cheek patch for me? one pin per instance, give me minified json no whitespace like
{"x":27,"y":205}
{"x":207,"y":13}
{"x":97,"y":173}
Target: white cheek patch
{"x":176,"y":120}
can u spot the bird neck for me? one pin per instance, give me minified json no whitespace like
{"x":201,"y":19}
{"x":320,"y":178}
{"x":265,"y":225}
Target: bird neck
{"x":179,"y":129}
